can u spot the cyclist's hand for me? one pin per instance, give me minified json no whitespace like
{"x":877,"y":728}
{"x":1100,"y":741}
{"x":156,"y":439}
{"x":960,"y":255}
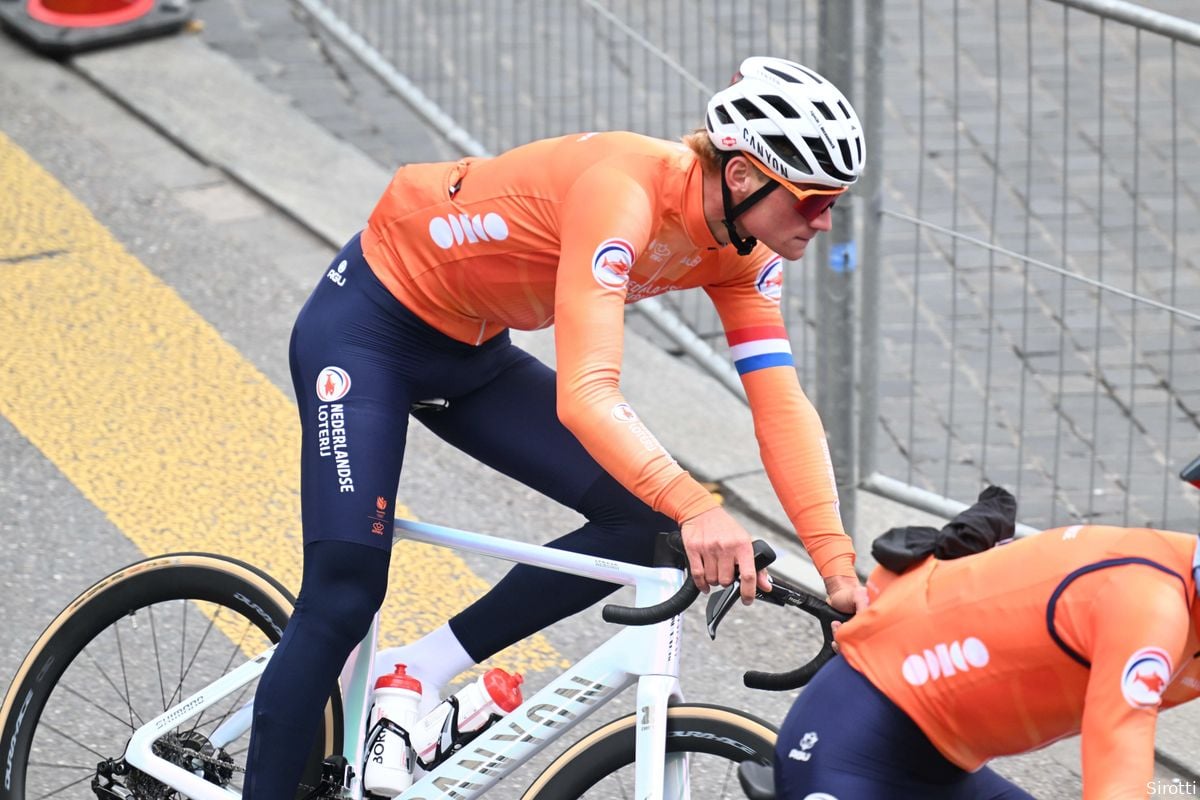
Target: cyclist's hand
{"x":716,"y":543}
{"x":846,"y":594}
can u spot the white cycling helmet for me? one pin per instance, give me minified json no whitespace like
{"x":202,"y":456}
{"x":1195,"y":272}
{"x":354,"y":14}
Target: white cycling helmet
{"x":791,"y":120}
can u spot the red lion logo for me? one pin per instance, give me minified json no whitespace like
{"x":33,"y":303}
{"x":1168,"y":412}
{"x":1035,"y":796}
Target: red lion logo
{"x":1153,"y":682}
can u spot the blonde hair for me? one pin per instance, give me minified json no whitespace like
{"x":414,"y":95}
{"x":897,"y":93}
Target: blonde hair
{"x":699,"y":143}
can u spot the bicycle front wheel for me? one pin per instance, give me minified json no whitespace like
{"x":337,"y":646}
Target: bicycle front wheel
{"x":715,"y":739}
{"x":130,"y":647}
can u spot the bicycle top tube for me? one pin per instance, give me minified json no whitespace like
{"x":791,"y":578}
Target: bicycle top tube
{"x":535,"y":555}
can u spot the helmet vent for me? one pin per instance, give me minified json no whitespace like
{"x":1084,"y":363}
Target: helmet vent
{"x":826,"y":160}
{"x":826,"y":112}
{"x":783,"y":75}
{"x":782,"y":106}
{"x":748,"y":109}
{"x":845,"y":111}
{"x":723,"y":115}
{"x":844,"y":146}
{"x":815,"y":77}
{"x":788,"y":153}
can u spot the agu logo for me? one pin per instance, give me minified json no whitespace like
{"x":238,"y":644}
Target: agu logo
{"x":612,"y":262}
{"x":1146,"y":675}
{"x":770,"y":280}
{"x":332,"y":384}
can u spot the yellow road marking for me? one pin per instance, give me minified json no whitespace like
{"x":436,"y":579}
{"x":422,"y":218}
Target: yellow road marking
{"x":158,"y":421}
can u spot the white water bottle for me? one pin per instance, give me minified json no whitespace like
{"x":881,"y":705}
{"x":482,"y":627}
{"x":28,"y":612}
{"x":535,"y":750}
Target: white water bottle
{"x":434,"y":735}
{"x":389,"y":767}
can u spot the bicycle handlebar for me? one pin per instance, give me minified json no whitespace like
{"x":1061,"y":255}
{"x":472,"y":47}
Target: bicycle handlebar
{"x":687,"y":594}
{"x":782,"y":594}
{"x":785,"y":594}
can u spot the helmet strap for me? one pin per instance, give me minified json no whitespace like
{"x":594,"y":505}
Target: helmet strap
{"x":732,"y":212}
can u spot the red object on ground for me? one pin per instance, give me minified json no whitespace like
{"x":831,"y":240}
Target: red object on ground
{"x":88,"y":13}
{"x":61,"y":28}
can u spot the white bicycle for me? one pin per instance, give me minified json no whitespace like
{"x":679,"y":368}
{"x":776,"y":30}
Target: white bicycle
{"x":142,"y":688}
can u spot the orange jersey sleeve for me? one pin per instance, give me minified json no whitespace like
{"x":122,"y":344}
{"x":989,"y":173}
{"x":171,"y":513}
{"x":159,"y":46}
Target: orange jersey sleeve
{"x":791,"y":437}
{"x":1083,"y":629}
{"x":607,"y":220}
{"x":1133,"y":630}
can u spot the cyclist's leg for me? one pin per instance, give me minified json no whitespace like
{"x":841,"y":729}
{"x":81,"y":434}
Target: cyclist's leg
{"x":343,"y":585}
{"x":511,"y":424}
{"x":845,"y":738}
{"x":353,"y":395}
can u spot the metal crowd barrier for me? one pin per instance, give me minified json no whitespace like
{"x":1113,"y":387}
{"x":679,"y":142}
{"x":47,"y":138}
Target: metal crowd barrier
{"x":1040,"y":322}
{"x":1027,"y":293}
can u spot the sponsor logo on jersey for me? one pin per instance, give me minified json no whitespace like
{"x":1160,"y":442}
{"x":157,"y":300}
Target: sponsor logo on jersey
{"x":332,"y":384}
{"x":1146,"y":675}
{"x":337,"y":274}
{"x":612,"y":262}
{"x":807,"y":742}
{"x":454,"y":229}
{"x":759,"y":347}
{"x":770,"y":280}
{"x":659,"y":251}
{"x":623,"y":412}
{"x":640,"y":291}
{"x":945,"y":661}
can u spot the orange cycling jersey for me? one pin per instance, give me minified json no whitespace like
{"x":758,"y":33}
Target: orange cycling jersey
{"x":566,"y":231}
{"x":1082,"y":629}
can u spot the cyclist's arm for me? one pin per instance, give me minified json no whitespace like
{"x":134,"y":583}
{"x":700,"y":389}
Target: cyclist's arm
{"x":790,"y":434}
{"x":1138,"y":632}
{"x":606,"y":214}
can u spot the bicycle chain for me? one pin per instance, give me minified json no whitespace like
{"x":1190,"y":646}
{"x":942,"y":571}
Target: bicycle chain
{"x":213,"y":762}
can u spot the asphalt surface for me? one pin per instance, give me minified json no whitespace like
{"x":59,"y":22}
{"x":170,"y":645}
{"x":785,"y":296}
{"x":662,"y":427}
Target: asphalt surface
{"x":235,"y":196}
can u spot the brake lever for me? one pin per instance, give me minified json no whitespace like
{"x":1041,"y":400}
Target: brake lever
{"x":718,"y":606}
{"x":721,"y":601}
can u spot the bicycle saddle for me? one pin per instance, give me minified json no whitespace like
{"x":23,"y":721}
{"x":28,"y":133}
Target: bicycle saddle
{"x":757,"y":780}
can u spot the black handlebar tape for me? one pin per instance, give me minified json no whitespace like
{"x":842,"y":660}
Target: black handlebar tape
{"x":787,"y":681}
{"x":678,"y":602}
{"x":648,"y":615}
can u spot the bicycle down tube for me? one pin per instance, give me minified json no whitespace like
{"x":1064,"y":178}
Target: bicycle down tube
{"x":648,"y":655}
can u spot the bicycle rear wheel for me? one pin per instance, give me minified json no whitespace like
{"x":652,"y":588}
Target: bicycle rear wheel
{"x":716,"y":740}
{"x":128,"y":648}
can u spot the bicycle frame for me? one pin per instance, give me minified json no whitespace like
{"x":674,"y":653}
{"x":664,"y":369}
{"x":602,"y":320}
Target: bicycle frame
{"x":648,"y":655}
